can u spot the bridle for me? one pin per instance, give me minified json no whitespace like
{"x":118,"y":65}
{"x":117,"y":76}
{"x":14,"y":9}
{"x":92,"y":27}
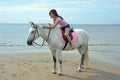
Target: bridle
{"x":43,"y":43}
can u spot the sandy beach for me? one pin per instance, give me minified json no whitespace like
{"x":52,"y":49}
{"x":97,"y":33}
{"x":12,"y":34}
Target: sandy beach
{"x":38,"y":66}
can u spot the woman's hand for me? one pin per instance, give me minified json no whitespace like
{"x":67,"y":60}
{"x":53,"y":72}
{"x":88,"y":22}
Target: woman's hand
{"x":48,"y":27}
{"x":44,"y":27}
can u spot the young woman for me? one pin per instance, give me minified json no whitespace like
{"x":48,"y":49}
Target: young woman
{"x":59,"y":20}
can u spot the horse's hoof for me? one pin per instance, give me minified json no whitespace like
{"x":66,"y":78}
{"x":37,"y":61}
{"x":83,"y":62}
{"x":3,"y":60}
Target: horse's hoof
{"x":59,"y":74}
{"x":79,"y":70}
{"x":54,"y":72}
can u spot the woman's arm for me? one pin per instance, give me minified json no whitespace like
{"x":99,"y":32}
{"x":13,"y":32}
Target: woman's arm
{"x":50,"y":27}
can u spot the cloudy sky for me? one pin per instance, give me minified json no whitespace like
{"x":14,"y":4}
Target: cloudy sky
{"x":73,"y":11}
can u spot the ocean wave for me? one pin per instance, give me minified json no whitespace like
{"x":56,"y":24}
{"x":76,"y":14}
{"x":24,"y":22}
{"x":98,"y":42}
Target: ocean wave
{"x":10,"y":45}
{"x":20,"y":45}
{"x":104,"y":44}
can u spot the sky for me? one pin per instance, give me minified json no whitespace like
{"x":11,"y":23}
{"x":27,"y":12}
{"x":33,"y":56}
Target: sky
{"x":73,"y":11}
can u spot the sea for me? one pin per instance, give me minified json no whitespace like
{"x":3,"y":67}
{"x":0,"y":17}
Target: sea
{"x":104,"y":41}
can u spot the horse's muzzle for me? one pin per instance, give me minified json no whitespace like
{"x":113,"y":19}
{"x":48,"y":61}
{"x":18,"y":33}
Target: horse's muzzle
{"x":29,"y":42}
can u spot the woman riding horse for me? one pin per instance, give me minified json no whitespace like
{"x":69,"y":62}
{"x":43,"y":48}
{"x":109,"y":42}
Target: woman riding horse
{"x":59,"y":20}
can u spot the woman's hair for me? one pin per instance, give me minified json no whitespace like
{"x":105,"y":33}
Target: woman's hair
{"x":55,"y":13}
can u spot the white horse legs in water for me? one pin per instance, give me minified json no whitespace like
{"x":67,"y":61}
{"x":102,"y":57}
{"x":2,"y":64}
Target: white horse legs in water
{"x":56,"y":46}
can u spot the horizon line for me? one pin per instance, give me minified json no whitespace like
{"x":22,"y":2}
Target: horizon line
{"x":71,"y":24}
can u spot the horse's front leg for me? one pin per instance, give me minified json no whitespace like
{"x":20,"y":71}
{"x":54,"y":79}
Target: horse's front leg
{"x":54,"y":60}
{"x":59,"y":53}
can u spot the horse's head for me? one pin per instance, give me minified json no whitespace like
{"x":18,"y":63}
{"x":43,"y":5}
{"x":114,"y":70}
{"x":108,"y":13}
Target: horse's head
{"x":33,"y":33}
{"x":37,"y":30}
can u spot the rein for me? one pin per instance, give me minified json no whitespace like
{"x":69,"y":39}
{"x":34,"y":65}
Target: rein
{"x":43,"y":43}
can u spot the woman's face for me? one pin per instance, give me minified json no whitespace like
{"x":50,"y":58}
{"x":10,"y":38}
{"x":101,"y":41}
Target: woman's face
{"x":52,"y":15}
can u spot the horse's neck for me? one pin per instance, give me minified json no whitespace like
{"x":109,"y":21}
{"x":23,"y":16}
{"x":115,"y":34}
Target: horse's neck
{"x":52,"y":34}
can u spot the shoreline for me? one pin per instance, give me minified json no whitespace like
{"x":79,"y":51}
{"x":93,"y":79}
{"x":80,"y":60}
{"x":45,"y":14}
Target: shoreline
{"x":73,"y":53}
{"x":100,"y":55}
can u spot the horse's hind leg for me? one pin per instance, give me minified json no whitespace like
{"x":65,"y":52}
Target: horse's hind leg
{"x":54,"y":59}
{"x":83,"y":50}
{"x":81,"y":60}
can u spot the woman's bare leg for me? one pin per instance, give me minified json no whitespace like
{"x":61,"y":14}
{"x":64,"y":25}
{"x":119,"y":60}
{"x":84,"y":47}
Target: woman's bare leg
{"x":66,"y":34}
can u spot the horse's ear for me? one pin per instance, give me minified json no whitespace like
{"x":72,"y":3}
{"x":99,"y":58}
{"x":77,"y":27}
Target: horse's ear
{"x":32,"y":24}
{"x":29,"y":22}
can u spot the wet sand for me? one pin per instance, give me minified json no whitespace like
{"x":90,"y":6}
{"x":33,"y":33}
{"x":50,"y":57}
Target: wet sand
{"x":36,"y":66}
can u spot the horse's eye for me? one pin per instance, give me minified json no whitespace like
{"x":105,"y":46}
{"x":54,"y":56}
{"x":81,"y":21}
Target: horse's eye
{"x":32,"y":32}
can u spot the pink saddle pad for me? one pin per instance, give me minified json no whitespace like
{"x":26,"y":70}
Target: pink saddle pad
{"x":75,"y":37}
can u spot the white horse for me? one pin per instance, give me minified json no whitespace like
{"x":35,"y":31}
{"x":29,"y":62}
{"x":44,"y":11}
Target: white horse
{"x":56,"y":46}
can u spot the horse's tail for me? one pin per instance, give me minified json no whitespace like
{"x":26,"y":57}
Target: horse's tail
{"x":86,"y":58}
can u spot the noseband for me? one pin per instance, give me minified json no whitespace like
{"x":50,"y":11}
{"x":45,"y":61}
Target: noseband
{"x":43,"y":43}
